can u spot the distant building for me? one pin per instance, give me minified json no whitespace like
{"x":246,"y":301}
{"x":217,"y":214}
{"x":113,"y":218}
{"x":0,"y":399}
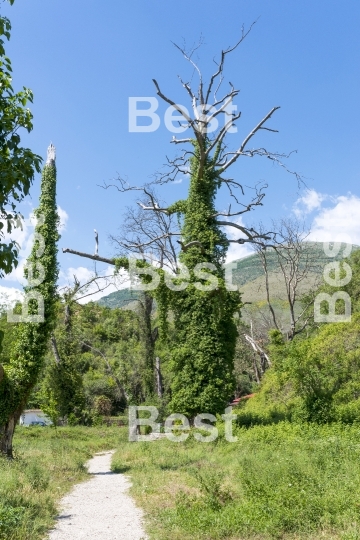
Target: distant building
{"x":31,"y":416}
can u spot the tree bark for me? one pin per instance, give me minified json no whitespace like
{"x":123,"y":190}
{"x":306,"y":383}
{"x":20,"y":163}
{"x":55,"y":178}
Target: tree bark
{"x":148,"y":338}
{"x":7,"y":434}
{"x":89,"y":256}
{"x":55,"y":350}
{"x":256,"y":369}
{"x":159,"y":383}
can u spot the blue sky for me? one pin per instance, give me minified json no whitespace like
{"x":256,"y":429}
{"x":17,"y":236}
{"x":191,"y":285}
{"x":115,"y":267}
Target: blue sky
{"x":84,"y":59}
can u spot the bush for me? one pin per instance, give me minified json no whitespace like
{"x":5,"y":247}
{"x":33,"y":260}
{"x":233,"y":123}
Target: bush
{"x":10,"y":518}
{"x":312,"y":380}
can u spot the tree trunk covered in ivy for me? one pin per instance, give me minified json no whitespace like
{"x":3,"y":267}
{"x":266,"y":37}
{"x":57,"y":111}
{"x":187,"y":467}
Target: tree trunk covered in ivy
{"x":31,"y":338}
{"x":205,"y":331}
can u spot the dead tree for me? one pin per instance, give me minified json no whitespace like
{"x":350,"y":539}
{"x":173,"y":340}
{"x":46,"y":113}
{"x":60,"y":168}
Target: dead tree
{"x":151,"y":235}
{"x":296,"y":262}
{"x":207,"y":107}
{"x":207,"y":160}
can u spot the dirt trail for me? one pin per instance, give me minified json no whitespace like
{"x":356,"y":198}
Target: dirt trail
{"x":99,"y":509}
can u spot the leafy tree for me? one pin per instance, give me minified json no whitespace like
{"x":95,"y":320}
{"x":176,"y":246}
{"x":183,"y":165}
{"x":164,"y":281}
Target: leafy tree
{"x":62,"y":387}
{"x":102,"y":355}
{"x":103,"y":405}
{"x":17,"y":164}
{"x":31,"y":338}
{"x":323,"y":370}
{"x":153,"y":233}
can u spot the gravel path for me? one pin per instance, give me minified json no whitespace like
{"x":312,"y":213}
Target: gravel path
{"x":100,"y":508}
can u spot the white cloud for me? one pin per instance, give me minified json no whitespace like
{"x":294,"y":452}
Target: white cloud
{"x":238,"y":251}
{"x":9,"y":296}
{"x":63,"y":218}
{"x":339,"y":222}
{"x":24,"y":237}
{"x":309,"y":202}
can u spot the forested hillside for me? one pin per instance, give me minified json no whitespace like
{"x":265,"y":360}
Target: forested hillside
{"x":96,"y":364}
{"x":315,"y":377}
{"x":248,"y":275}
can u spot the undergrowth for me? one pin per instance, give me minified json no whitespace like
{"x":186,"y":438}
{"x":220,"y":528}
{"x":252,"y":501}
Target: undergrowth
{"x":277,"y":482}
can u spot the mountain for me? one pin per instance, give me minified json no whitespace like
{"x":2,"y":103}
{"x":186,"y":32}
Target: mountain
{"x":249,"y":276}
{"x":119,"y":299}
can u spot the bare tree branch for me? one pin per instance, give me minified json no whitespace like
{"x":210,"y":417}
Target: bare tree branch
{"x":240,"y":151}
{"x":185,"y":247}
{"x":223,"y":57}
{"x":89,"y":256}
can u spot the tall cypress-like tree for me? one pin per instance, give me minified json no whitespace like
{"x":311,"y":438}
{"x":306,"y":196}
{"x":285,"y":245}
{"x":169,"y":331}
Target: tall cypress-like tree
{"x":31,"y":336}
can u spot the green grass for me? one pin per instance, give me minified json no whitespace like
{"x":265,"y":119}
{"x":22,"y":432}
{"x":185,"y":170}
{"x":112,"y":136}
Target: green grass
{"x":282,"y":481}
{"x":47,"y":463}
{"x":277,"y":482}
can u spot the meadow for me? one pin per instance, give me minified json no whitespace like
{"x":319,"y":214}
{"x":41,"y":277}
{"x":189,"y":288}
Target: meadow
{"x":284,"y":481}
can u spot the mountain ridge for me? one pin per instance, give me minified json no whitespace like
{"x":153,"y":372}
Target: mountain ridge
{"x":248,"y":275}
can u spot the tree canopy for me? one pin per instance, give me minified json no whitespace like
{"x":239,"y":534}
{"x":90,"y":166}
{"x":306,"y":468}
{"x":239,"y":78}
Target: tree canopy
{"x":18,"y":164}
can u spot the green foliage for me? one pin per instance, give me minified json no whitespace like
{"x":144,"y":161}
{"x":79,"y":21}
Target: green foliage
{"x":17,"y":164}
{"x":69,"y":391}
{"x":103,"y":405}
{"x":7,"y":333}
{"x":202,"y":354}
{"x":314,"y":378}
{"x":30,"y":338}
{"x":10,"y":518}
{"x":203,"y":346}
{"x":274,"y":403}
{"x":62,"y":391}
{"x":283,"y":481}
{"x":352,"y":288}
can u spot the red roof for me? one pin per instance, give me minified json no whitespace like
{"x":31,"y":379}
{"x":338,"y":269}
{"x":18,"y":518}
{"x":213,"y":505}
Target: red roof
{"x":237,"y":400}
